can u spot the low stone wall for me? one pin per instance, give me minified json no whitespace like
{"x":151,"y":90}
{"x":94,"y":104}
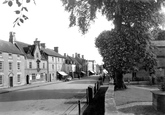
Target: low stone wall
{"x":158,"y":100}
{"x":110,"y":105}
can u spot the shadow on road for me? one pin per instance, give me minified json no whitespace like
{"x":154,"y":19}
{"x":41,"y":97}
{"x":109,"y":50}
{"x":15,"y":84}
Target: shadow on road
{"x":97,"y":106}
{"x":42,"y":95}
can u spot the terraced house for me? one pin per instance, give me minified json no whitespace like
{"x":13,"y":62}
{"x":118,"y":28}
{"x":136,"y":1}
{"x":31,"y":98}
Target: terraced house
{"x":35,"y":62}
{"x":55,"y":62}
{"x":12,"y":63}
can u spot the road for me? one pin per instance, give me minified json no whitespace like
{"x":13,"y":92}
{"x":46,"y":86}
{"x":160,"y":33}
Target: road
{"x":53,"y":99}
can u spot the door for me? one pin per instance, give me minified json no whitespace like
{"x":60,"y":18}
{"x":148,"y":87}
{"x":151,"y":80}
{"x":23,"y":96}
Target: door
{"x":11,"y":81}
{"x":50,"y":78}
{"x":27,"y":79}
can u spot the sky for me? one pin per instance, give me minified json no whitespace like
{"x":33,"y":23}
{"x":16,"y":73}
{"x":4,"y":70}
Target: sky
{"x":50,"y":24}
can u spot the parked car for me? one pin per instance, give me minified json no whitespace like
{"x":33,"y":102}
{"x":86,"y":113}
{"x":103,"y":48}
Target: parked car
{"x":68,"y":78}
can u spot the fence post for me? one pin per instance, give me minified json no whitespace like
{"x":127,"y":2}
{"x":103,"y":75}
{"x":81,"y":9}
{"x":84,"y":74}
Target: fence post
{"x":79,"y":107}
{"x":90,"y":93}
{"x":95,"y":89}
{"x":87,"y":96}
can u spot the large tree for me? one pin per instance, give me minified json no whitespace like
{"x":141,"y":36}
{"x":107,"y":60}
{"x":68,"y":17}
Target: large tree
{"x":126,"y":46}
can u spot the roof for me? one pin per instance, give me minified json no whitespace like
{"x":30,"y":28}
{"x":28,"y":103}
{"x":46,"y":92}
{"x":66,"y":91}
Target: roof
{"x":28,"y":50}
{"x":9,"y":47}
{"x":74,"y":60}
{"x":51,"y":52}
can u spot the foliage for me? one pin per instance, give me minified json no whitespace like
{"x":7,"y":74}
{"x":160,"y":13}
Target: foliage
{"x":20,"y":12}
{"x":82,"y":12}
{"x":161,"y":35}
{"x":123,"y":52}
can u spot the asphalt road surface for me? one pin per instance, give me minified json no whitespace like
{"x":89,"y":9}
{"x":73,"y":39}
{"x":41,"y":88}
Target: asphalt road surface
{"x":53,"y":99}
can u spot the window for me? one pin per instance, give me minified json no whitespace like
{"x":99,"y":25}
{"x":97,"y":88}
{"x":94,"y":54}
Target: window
{"x":37,"y":55}
{"x":30,"y":65}
{"x":1,"y":79}
{"x":18,"y":65}
{"x":33,"y":76}
{"x":10,"y":66}
{"x":53,"y":67}
{"x":43,"y":65}
{"x":38,"y":65}
{"x":10,"y":55}
{"x":0,"y":54}
{"x":1,"y":65}
{"x":53,"y":59}
{"x":19,"y":78}
{"x":42,"y":76}
{"x":18,"y":56}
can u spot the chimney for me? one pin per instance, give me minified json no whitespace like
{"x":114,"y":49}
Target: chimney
{"x":43,"y":45}
{"x":11,"y":37}
{"x":73,"y":55}
{"x":64,"y":54}
{"x":78,"y":55}
{"x":56,"y":49}
{"x":82,"y":56}
{"x":36,"y":42}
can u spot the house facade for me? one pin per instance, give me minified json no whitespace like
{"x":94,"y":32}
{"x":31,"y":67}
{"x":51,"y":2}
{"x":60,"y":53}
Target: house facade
{"x":35,"y":62}
{"x":12,"y":63}
{"x":160,"y":53}
{"x":55,"y":62}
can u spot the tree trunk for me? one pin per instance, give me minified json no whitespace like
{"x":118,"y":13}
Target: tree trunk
{"x":119,"y":81}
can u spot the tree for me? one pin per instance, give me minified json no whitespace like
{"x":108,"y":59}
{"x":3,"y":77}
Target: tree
{"x":20,"y":11}
{"x":128,"y":44}
{"x":161,"y":35}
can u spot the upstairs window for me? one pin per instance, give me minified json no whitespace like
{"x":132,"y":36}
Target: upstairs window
{"x":18,"y":65}
{"x":10,"y":55}
{"x":30,"y":65}
{"x":53,"y":67}
{"x":18,"y":78}
{"x":10,"y":66}
{"x":53,"y":59}
{"x":1,"y":79}
{"x":0,"y":54}
{"x":37,"y":55}
{"x":1,"y":65}
{"x":18,"y":56}
{"x":43,"y":65}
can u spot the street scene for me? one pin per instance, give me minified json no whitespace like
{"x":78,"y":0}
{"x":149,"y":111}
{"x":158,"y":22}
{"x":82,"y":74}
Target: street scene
{"x":82,"y":57}
{"x":58,"y":98}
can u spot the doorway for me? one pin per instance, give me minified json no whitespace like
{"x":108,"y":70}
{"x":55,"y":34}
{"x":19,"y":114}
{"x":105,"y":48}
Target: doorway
{"x":27,"y":79}
{"x":11,"y":81}
{"x":50,"y":78}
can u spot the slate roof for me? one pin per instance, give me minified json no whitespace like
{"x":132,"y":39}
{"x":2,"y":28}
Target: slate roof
{"x":51,"y":52}
{"x":28,"y":50}
{"x":74,"y":60}
{"x":9,"y":47}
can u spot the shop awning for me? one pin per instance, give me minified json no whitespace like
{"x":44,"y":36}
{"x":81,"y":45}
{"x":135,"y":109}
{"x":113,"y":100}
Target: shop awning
{"x":83,"y":72}
{"x":62,"y":73}
{"x":92,"y":71}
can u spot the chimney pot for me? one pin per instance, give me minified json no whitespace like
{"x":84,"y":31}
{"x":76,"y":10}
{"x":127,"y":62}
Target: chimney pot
{"x":36,"y":42}
{"x":56,"y":49}
{"x":43,"y":45}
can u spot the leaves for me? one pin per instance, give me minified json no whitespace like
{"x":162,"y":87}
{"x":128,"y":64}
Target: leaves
{"x":18,"y":3}
{"x":17,"y":12}
{"x":25,"y":8}
{"x":10,"y":3}
{"x":27,"y":1}
{"x":5,"y":2}
{"x":21,"y":20}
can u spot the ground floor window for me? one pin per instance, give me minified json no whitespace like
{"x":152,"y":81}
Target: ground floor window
{"x":33,"y":76}
{"x":18,"y":78}
{"x":1,"y":79}
{"x":42,"y":76}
